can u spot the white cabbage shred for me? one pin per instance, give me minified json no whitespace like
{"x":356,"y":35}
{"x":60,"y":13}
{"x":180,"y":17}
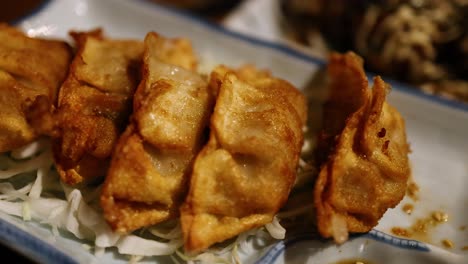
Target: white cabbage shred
{"x":30,"y":189}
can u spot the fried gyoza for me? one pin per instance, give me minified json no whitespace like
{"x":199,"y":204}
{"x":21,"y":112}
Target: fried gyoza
{"x":244,"y":174}
{"x":94,"y":104}
{"x":148,"y":176}
{"x":367,"y":167}
{"x":29,"y":67}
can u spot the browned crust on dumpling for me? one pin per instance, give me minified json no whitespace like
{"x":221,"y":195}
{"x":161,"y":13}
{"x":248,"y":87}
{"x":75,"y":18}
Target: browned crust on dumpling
{"x":245,"y":173}
{"x":94,"y":104}
{"x":148,"y":177}
{"x":368,"y":167}
{"x":29,"y":68}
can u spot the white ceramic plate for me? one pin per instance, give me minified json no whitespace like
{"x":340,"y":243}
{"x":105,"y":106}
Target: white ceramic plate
{"x":436,"y":129}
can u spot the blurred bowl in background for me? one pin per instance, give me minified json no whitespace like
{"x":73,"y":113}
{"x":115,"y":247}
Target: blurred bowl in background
{"x":211,"y":9}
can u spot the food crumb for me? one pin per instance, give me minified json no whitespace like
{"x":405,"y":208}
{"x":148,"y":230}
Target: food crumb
{"x":447,"y":243}
{"x":400,"y":231}
{"x":421,"y":228}
{"x":462,"y":228}
{"x":408,"y":208}
{"x":464,"y":248}
{"x":86,"y":247}
{"x":413,"y":190}
{"x":440,"y":216}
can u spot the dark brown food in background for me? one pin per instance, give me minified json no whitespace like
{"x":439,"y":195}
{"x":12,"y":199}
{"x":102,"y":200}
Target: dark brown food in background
{"x":420,"y":42}
{"x":13,"y":10}
{"x":213,"y":10}
{"x":335,"y":19}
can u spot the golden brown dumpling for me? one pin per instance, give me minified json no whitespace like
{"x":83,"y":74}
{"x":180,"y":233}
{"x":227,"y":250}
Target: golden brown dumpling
{"x":29,"y":68}
{"x":366,"y":168}
{"x":148,"y":176}
{"x":244,"y":174}
{"x":94,"y":104}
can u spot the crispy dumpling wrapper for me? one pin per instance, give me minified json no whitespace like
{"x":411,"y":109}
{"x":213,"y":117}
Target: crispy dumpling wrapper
{"x":244,"y":174}
{"x":366,"y":167}
{"x":94,"y":105}
{"x":29,"y":68}
{"x":148,"y":176}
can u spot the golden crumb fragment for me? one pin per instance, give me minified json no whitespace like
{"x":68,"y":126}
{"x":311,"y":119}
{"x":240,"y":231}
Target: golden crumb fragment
{"x":400,"y":231}
{"x":408,"y":208}
{"x":413,"y":190}
{"x":447,"y":243}
{"x":439,"y":216}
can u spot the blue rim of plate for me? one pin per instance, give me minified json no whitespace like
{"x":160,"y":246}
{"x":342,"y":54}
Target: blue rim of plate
{"x":31,"y":246}
{"x":275,"y":251}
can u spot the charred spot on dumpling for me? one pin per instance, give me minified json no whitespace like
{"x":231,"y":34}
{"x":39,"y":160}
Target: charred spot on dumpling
{"x":382,"y":133}
{"x":385,"y":147}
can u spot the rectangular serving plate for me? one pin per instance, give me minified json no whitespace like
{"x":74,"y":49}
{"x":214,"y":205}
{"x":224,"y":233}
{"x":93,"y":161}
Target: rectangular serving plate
{"x":436,"y":127}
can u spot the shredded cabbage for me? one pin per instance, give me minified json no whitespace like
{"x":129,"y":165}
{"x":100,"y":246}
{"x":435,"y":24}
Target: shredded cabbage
{"x":275,"y":229}
{"x":30,"y":188}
